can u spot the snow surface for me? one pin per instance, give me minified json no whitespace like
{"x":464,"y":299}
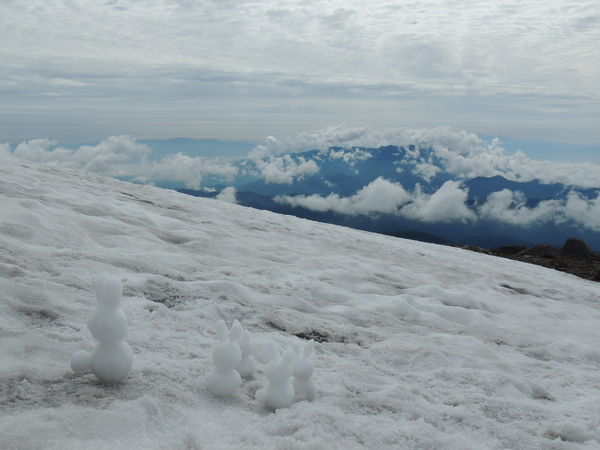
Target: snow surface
{"x":419,"y":346}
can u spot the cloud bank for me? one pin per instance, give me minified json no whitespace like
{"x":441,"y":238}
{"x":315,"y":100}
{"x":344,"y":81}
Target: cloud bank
{"x":449,"y":204}
{"x":460,"y":153}
{"x":123,"y":157}
{"x":240,"y":69}
{"x":385,"y":197}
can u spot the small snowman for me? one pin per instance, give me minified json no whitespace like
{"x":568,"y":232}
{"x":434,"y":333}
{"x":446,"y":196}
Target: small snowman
{"x":304,"y":387}
{"x":247,"y":366}
{"x":279,"y":392}
{"x":223,"y":379}
{"x":112,"y":358}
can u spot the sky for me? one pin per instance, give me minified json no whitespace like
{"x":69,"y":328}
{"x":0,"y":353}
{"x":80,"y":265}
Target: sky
{"x":244,"y":70}
{"x":420,"y":346}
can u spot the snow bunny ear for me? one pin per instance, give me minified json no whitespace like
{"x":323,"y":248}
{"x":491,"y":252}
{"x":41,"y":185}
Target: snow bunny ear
{"x":100,"y":285}
{"x":236,"y":331}
{"x":222,"y":331}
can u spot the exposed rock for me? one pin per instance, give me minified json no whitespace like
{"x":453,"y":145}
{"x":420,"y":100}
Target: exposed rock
{"x":577,"y":249}
{"x":543,"y":251}
{"x":588,"y":269}
{"x":510,"y":249}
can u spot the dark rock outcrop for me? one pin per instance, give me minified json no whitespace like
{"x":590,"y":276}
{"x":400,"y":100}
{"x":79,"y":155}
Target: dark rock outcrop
{"x":509,"y":250}
{"x":543,"y":251}
{"x":550,"y":257}
{"x":577,"y":249}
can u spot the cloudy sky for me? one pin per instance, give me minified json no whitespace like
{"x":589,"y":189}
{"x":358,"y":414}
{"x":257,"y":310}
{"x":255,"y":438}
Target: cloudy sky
{"x":244,"y":70}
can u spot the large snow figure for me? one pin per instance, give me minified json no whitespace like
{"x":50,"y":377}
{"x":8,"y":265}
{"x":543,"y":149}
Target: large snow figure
{"x":279,"y":392}
{"x":304,"y":387}
{"x":112,"y":358}
{"x":223,"y":379}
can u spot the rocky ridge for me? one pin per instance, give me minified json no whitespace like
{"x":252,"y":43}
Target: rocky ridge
{"x":575,"y":256}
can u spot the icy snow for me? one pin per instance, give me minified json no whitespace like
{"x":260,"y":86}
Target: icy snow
{"x":418,"y":346}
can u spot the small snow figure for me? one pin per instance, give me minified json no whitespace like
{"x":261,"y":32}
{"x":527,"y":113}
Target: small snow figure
{"x":304,"y":387}
{"x":247,"y":365}
{"x":112,"y":358}
{"x":279,"y":392}
{"x":223,"y":379}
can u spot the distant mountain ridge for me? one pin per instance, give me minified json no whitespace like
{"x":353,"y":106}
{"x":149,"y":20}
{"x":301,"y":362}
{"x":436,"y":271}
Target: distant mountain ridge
{"x":350,"y":187}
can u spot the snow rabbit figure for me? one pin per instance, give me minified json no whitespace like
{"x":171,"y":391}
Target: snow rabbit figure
{"x":279,"y":392}
{"x":304,"y":387}
{"x":247,"y":366}
{"x":223,"y":379}
{"x":112,"y":358}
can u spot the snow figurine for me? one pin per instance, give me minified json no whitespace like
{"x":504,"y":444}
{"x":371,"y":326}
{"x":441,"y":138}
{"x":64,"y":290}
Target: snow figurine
{"x":279,"y":392}
{"x":112,"y":358}
{"x":223,"y":379}
{"x":304,"y":387}
{"x":247,"y":366}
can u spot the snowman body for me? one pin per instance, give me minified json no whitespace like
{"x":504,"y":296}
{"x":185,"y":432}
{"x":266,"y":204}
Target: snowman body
{"x":279,"y":392}
{"x":304,"y":387}
{"x":223,"y":379}
{"x":247,"y":366}
{"x":112,"y":358}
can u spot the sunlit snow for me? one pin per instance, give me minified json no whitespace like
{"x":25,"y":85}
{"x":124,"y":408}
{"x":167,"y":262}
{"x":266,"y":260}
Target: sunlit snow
{"x":417,"y":346}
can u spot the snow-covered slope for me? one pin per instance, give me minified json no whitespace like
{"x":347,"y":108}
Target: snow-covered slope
{"x":421,"y":346}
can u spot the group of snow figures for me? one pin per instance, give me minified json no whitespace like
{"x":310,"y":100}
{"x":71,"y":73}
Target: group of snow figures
{"x":288,"y":374}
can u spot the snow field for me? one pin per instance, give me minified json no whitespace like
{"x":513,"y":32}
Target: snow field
{"x":418,"y":346}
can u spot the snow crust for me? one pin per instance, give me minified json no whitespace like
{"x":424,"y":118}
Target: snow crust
{"x":417,"y":346}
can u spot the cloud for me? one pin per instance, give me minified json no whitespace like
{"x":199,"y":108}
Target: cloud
{"x":123,"y":157}
{"x":227,"y":195}
{"x":522,"y":68}
{"x":447,"y":204}
{"x":385,"y":197}
{"x":510,"y":207}
{"x":350,"y":156}
{"x":459,"y":152}
{"x":426,"y":171}
{"x":378,"y":197}
{"x":4,"y":149}
{"x":182,"y":168}
{"x":105,"y":158}
{"x":284,"y":169}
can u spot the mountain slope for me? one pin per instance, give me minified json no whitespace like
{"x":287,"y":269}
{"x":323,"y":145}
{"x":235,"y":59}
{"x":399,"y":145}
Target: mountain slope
{"x":420,"y":346}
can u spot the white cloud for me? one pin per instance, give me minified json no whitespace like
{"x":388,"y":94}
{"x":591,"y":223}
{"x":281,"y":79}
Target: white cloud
{"x":385,"y":197}
{"x":484,"y":65}
{"x":584,"y":212}
{"x":350,"y":156}
{"x":459,"y":152}
{"x":122,"y":156}
{"x":447,"y":204}
{"x":4,"y":149}
{"x":106,"y":158}
{"x":227,"y":195}
{"x":509,"y":207}
{"x":426,"y":171}
{"x":284,"y":169}
{"x":378,"y":197}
